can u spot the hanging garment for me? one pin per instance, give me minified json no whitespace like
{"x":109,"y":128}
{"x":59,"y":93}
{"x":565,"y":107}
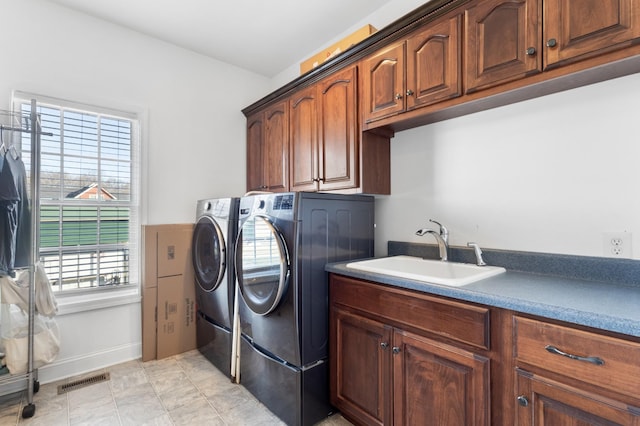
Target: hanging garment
{"x":15,"y":216}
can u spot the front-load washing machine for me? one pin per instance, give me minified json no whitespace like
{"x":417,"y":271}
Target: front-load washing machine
{"x":285,"y":241}
{"x":212,"y":250}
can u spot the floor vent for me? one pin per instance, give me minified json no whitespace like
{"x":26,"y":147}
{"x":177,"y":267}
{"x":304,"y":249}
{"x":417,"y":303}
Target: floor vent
{"x":87,"y":381}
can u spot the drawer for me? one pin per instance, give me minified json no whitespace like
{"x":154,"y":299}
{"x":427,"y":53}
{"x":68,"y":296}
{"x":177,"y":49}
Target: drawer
{"x":603,"y":361}
{"x":454,"y":320}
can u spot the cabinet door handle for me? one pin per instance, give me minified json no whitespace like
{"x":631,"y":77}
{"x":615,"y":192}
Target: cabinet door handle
{"x":552,"y":42}
{"x":409,"y":92}
{"x":531,"y":51}
{"x":398,"y":96}
{"x":592,"y":359}
{"x":523,"y":400}
{"x":384,"y":345}
{"x":396,"y":350}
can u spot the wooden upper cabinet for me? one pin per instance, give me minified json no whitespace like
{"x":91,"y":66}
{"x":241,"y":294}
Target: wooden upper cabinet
{"x":338,"y":131}
{"x":303,"y":134}
{"x":276,"y":146}
{"x":421,"y":70}
{"x":383,"y":76}
{"x":576,"y":29}
{"x":267,"y":150}
{"x":503,"y":39}
{"x":433,"y":63}
{"x":255,"y":153}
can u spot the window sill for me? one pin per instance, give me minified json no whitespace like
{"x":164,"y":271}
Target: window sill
{"x":72,"y":304}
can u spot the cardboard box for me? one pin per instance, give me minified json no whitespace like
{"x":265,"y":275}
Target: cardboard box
{"x":176,"y":316}
{"x":149,"y":323}
{"x":167,"y":273}
{"x":167,"y":251}
{"x":337,"y":48}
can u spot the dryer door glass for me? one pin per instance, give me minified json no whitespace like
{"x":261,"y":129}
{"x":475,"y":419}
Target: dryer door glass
{"x":208,"y":253}
{"x":262,"y":265}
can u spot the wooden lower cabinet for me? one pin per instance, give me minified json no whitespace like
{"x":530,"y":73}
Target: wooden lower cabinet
{"x":439,"y":383}
{"x":572,"y":377}
{"x":542,"y":401}
{"x":403,"y":357}
{"x":383,"y":374}
{"x":360,"y":367}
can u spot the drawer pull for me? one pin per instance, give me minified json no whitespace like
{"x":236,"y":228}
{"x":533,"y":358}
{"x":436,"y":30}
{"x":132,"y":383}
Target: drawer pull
{"x":592,"y":359}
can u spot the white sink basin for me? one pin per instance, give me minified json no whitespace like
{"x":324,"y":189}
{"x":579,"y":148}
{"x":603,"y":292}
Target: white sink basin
{"x":427,"y":270}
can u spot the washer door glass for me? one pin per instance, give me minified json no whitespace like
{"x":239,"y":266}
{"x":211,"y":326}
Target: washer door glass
{"x":262,"y":265}
{"x":208,"y":253}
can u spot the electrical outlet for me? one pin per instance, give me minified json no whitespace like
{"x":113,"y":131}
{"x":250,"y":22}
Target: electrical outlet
{"x":616,"y":244}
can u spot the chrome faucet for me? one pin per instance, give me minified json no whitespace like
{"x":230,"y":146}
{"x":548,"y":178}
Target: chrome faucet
{"x":441,"y":236}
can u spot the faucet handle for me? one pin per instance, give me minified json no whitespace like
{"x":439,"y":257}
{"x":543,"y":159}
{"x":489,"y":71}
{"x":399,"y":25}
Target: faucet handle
{"x":478,"y":252}
{"x":444,"y":232}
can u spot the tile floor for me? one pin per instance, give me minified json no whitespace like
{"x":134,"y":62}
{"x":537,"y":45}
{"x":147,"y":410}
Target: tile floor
{"x":181,"y":390}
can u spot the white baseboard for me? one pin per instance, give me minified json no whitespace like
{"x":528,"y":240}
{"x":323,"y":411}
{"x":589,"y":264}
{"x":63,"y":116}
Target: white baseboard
{"x":70,"y":367}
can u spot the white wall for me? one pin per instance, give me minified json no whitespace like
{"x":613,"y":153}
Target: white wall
{"x":547,"y":175}
{"x":193,"y":139}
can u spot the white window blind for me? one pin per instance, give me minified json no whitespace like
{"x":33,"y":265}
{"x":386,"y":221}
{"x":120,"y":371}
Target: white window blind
{"x":88,"y":188}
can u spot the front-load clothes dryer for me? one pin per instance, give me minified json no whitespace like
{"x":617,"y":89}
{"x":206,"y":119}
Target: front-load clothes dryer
{"x":212,"y":250}
{"x":284,"y":243}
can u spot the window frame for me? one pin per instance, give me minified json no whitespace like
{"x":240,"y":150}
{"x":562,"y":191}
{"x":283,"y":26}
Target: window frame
{"x":81,"y":299}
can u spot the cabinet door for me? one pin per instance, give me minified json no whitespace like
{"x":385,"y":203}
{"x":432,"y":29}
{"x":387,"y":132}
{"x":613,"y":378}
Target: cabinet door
{"x":575,"y":28}
{"x":434,"y":63}
{"x":276,"y":144}
{"x":435,"y":383}
{"x":338,"y":147}
{"x":255,"y":153}
{"x":303,"y":141}
{"x":503,"y":41}
{"x":383,"y":76}
{"x":360,"y":367}
{"x":545,"y":402}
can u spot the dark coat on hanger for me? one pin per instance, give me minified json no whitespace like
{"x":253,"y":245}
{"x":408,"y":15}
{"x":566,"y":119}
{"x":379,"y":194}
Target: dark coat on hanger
{"x":15,"y":215}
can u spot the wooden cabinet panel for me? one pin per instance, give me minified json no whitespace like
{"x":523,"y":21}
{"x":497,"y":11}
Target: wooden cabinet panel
{"x":255,"y":153}
{"x":576,"y":28}
{"x":276,"y":143}
{"x":503,"y":40}
{"x":606,"y":361}
{"x":303,"y":149}
{"x":383,"y":76}
{"x":542,"y":401}
{"x":440,"y":382}
{"x":338,"y":146}
{"x":360,"y":367}
{"x":267,"y":150}
{"x":433,"y":63}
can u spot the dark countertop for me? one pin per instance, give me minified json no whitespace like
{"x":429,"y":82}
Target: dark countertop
{"x":608,"y":305}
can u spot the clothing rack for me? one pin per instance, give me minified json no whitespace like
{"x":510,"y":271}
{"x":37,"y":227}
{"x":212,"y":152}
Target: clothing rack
{"x":22,"y":123}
